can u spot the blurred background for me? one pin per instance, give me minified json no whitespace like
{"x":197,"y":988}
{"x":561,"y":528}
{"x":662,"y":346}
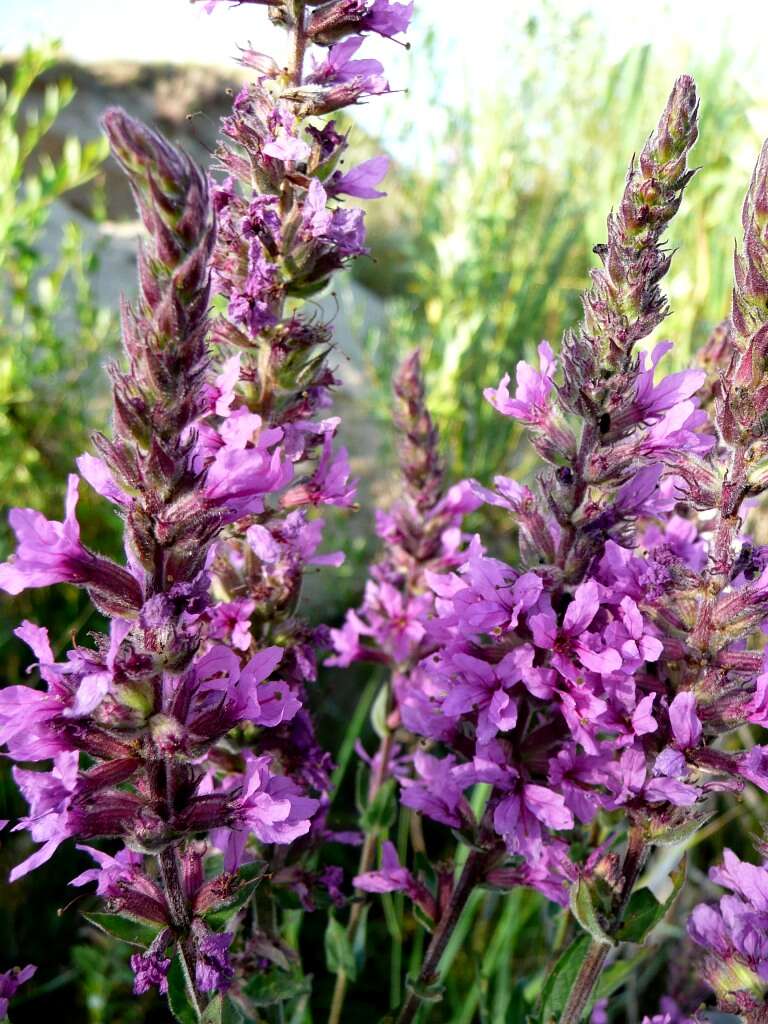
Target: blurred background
{"x":509,"y":142}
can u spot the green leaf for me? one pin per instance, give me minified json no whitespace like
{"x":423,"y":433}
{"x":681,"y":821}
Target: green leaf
{"x":253,"y":872}
{"x":360,"y":944}
{"x":213,"y":1011}
{"x":231,"y":1013}
{"x":644,"y":911}
{"x":276,"y":986}
{"x":679,"y":833}
{"x":558,"y":985}
{"x":221,"y":1010}
{"x":352,"y":733}
{"x":339,"y":956}
{"x":181,"y":1006}
{"x":379,"y":712}
{"x":583,"y":909}
{"x":125,"y":929}
{"x":423,"y":918}
{"x":469,"y":840}
{"x":361,"y":787}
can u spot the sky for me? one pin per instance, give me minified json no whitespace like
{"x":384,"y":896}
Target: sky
{"x":174,"y":30}
{"x":472,"y":37}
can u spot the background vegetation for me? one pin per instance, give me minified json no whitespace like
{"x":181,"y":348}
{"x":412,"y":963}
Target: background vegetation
{"x":481,"y":253}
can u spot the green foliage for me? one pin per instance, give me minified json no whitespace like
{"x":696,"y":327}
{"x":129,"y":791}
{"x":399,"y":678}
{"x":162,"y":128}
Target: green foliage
{"x":181,"y":997}
{"x":52,"y":335}
{"x":339,"y":955}
{"x":276,"y":986}
{"x":105,"y":981}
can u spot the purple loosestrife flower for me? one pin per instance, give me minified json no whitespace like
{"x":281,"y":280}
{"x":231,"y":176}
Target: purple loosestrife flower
{"x":556,"y":681}
{"x":51,"y":552}
{"x":150,"y":969}
{"x":436,"y":791}
{"x":10,"y":982}
{"x":733,"y":933}
{"x":268,"y":806}
{"x":50,"y":798}
{"x":214,"y":971}
{"x":348,"y":81}
{"x":531,"y":403}
{"x":124,"y":867}
{"x":391,"y":877}
{"x":361,"y":180}
{"x":203,"y":465}
{"x":150,"y":703}
{"x":274,"y":376}
{"x":574,"y":647}
{"x":339,"y":18}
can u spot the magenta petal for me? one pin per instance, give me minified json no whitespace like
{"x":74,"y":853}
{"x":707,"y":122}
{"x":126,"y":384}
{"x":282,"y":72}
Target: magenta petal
{"x":684,"y":720}
{"x":39,"y":857}
{"x":262,"y":665}
{"x":583,"y":608}
{"x":604,"y":662}
{"x":548,"y":806}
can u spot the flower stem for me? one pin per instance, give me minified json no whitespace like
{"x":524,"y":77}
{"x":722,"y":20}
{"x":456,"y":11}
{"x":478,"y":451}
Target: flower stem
{"x":172,"y":885}
{"x":178,"y":907}
{"x":587,"y":979}
{"x":365,"y":864}
{"x":473,"y":870}
{"x":298,"y":43}
{"x":594,"y":962}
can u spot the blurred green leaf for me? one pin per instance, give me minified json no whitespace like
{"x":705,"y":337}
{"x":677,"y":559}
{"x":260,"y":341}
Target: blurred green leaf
{"x":276,"y":986}
{"x":339,"y":956}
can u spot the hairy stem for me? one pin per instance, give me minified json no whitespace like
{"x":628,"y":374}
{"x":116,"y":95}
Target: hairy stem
{"x":178,"y":907}
{"x":594,"y":962}
{"x":586,"y":981}
{"x":170,"y":872}
{"x":298,"y":43}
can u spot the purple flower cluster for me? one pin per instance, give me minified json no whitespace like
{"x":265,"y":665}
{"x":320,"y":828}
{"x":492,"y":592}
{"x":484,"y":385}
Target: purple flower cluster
{"x":10,"y":982}
{"x":184,"y":731}
{"x":148,"y":705}
{"x":597,"y":673}
{"x":735,"y":935}
{"x":282,"y":231}
{"x":670,"y":1013}
{"x":586,"y":685}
